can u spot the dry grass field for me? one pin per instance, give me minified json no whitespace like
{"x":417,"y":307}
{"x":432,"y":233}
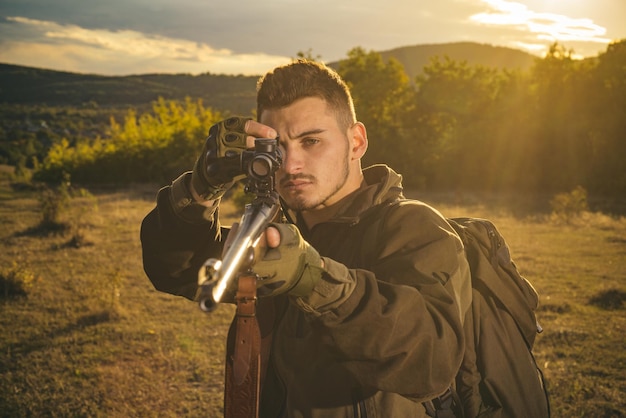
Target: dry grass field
{"x":92,"y":338}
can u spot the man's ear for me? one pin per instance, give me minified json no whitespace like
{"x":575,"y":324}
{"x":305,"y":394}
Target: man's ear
{"x":358,"y":134}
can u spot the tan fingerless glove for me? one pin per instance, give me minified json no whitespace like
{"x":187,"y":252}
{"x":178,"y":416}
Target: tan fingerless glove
{"x":294,"y":267}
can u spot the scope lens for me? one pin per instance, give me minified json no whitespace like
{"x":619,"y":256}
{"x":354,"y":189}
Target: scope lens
{"x":261,"y":166}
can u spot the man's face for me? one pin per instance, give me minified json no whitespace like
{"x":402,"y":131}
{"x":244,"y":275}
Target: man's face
{"x":319,"y":162}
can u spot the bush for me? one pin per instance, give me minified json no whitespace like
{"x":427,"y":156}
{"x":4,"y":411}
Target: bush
{"x":64,"y":207}
{"x":53,"y":202}
{"x":16,"y":280}
{"x":152,"y":146}
{"x":570,"y":205}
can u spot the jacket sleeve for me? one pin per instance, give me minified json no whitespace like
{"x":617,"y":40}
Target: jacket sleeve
{"x":177,"y":237}
{"x":397,"y":326}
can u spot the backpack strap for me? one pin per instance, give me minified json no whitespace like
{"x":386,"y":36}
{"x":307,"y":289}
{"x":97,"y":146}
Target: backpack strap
{"x":447,"y":405}
{"x":501,"y":278}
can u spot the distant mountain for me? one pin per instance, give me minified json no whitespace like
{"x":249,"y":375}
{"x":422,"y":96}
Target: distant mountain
{"x":415,"y":58}
{"x":26,"y":85}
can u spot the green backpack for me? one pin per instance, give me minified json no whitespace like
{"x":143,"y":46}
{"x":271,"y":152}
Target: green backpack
{"x":499,"y":376}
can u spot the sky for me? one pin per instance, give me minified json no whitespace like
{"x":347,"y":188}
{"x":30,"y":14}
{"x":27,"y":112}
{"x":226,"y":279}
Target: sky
{"x":123,"y":37}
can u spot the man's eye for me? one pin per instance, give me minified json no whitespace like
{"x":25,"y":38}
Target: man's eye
{"x":310,"y":141}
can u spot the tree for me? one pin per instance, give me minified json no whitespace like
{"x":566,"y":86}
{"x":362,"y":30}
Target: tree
{"x":556,"y":142}
{"x":307,"y":55}
{"x":383,"y":99}
{"x":465,"y":103}
{"x":606,"y":112}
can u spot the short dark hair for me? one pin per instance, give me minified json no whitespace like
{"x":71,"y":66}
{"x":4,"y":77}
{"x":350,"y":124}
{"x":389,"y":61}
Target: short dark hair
{"x":306,"y":78}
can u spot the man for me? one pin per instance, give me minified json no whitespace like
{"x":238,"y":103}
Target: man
{"x":373,"y":287}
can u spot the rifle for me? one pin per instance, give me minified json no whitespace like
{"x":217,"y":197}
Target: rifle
{"x":217,"y":279}
{"x":232,"y":279}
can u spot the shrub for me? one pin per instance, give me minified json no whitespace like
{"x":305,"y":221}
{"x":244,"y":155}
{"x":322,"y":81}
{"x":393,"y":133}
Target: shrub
{"x":570,"y":205}
{"x":53,"y":202}
{"x":16,"y":280}
{"x":152,"y":146}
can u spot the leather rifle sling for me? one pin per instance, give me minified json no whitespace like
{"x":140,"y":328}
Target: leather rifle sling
{"x":243,"y":355}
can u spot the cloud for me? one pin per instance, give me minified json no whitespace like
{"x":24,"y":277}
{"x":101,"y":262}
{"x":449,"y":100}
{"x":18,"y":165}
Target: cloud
{"x":119,"y":37}
{"x":93,"y":50}
{"x":536,"y":28}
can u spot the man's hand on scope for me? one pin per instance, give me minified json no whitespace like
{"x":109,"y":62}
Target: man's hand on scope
{"x":288,"y":265}
{"x":218,"y":165}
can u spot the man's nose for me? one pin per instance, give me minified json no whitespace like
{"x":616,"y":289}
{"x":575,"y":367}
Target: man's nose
{"x":292,"y":161}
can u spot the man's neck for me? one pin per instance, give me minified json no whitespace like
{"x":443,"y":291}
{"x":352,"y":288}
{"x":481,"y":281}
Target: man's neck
{"x":317,"y":216}
{"x":325,"y":213}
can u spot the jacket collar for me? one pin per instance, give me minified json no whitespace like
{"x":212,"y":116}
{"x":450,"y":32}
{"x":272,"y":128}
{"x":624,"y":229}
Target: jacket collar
{"x":381,"y":184}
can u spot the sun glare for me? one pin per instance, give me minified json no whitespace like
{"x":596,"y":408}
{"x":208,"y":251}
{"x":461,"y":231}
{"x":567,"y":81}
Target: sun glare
{"x":550,"y":27}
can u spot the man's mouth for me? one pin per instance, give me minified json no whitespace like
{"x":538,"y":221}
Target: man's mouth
{"x":295,"y":183}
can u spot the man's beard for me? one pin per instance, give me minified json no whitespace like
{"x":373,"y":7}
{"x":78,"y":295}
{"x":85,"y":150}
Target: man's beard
{"x":300,"y":202}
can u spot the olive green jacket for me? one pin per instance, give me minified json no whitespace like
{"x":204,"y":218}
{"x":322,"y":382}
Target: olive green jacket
{"x":380,"y":333}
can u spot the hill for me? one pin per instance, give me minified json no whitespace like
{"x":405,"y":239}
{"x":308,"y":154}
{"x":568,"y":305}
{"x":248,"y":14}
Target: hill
{"x":34,"y":86}
{"x":415,"y":58}
{"x":236,"y":93}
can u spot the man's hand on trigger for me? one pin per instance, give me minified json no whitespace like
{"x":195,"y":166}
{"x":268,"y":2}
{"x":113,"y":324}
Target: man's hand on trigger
{"x":287,"y":263}
{"x":271,"y":237}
